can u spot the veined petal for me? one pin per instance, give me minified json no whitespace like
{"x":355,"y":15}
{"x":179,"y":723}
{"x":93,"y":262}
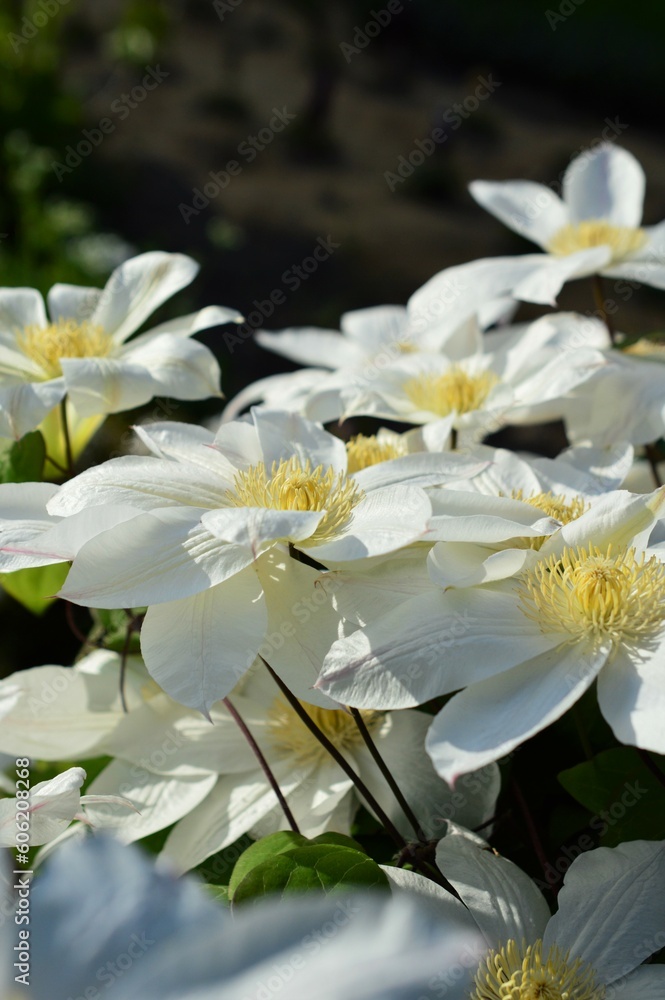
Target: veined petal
{"x":311,"y":346}
{"x":631,"y":696}
{"x":502,"y":899}
{"x":52,"y":807}
{"x":465,"y":564}
{"x":612,"y":898}
{"x":60,"y":541}
{"x":232,"y":808}
{"x":180,"y":368}
{"x":490,"y":718}
{"x":150,"y":559}
{"x":477,"y":517}
{"x":24,"y":406}
{"x":620,"y":518}
{"x":421,"y":469}
{"x":199,"y":647}
{"x":20,"y":307}
{"x":187,"y":326}
{"x":645,"y":983}
{"x":256,"y":527}
{"x":183,"y":442}
{"x":144,"y":484}
{"x":137,"y":287}
{"x":547,"y":276}
{"x":106,"y":385}
{"x":646,"y":271}
{"x":374,"y":328}
{"x":159,"y":799}
{"x":530,"y":209}
{"x":383,"y":521}
{"x":431,"y":645}
{"x":282,"y":434}
{"x":72,"y":302}
{"x":605,"y":182}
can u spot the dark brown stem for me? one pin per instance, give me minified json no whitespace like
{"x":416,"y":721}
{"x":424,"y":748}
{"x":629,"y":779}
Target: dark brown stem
{"x":73,"y":627}
{"x":65,"y":433}
{"x":385,"y":771}
{"x":61,"y":469}
{"x":263,"y":763}
{"x":453,"y":439}
{"x":534,"y":836}
{"x":599,"y":298}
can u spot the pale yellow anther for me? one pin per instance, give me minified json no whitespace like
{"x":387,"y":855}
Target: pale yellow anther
{"x":455,"y":391}
{"x":292,"y":486}
{"x":48,"y":345}
{"x":623,"y":240}
{"x":365,"y":451}
{"x":524,"y":973}
{"x":597,"y":595}
{"x":289,"y":734}
{"x":554,"y":505}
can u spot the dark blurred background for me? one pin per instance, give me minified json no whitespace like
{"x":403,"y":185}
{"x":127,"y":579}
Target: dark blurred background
{"x":118,"y":116}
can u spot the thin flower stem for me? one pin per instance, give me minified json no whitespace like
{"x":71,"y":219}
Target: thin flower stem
{"x":385,"y":771}
{"x":123,"y":662}
{"x":648,"y":760}
{"x":263,"y":763}
{"x":65,"y":434}
{"x":56,"y":465}
{"x":73,"y":627}
{"x":534,"y":836}
{"x":453,"y":439}
{"x":304,"y":716}
{"x":599,"y":298}
{"x":652,"y":456}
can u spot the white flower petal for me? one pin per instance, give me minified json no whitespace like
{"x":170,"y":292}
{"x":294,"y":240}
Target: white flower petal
{"x":106,"y":385}
{"x":433,"y":899}
{"x":476,"y":517}
{"x":647,"y":271}
{"x":72,"y":302}
{"x":547,"y":276}
{"x":232,"y":808}
{"x":421,"y":469}
{"x":644,"y":983}
{"x":137,"y":287}
{"x":20,"y":307}
{"x":605,"y":182}
{"x":430,"y":645}
{"x":179,"y":368}
{"x":611,"y":901}
{"x":492,"y":717}
{"x":502,"y":899}
{"x":282,"y":434}
{"x":151,"y":558}
{"x":187,"y":326}
{"x":256,"y":527}
{"x":159,"y":799}
{"x":530,"y":209}
{"x":24,"y":406}
{"x":199,"y":647}
{"x":52,"y":807}
{"x":375,"y":328}
{"x":631,"y":696}
{"x":311,"y":346}
{"x":383,"y":521}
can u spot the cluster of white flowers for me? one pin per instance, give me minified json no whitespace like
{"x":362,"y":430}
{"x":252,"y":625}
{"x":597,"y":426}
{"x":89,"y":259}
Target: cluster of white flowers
{"x":301,"y":597}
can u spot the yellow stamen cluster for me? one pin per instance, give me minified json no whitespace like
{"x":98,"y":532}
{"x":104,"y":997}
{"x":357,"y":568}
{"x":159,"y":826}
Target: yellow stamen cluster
{"x":364,"y":451}
{"x":552,"y":505}
{"x":292,"y":486}
{"x":456,"y":391}
{"x":592,"y":593}
{"x":514,"y":973}
{"x":290,"y":735}
{"x":47,"y":345}
{"x":623,"y":240}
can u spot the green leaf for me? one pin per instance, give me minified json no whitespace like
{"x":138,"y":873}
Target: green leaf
{"x":23,"y":461}
{"x":34,"y":587}
{"x":340,"y":839}
{"x":624,"y":795}
{"x":319,"y":868}
{"x":263,"y":850}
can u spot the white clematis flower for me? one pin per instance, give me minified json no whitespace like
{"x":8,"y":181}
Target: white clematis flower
{"x":80,"y":350}
{"x":174,"y":767}
{"x":207,"y":551}
{"x":589,"y":604}
{"x":610,"y":916}
{"x":51,"y":807}
{"x":598,"y":222}
{"x":518,"y":375}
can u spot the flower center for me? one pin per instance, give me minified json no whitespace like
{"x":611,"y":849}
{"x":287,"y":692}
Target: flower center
{"x":594,"y":594}
{"x":622,"y":240}
{"x":365,"y":451}
{"x":289,"y":734}
{"x":553,"y":505}
{"x":47,"y":345}
{"x":292,"y":486}
{"x":513,"y":973}
{"x":456,"y":391}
